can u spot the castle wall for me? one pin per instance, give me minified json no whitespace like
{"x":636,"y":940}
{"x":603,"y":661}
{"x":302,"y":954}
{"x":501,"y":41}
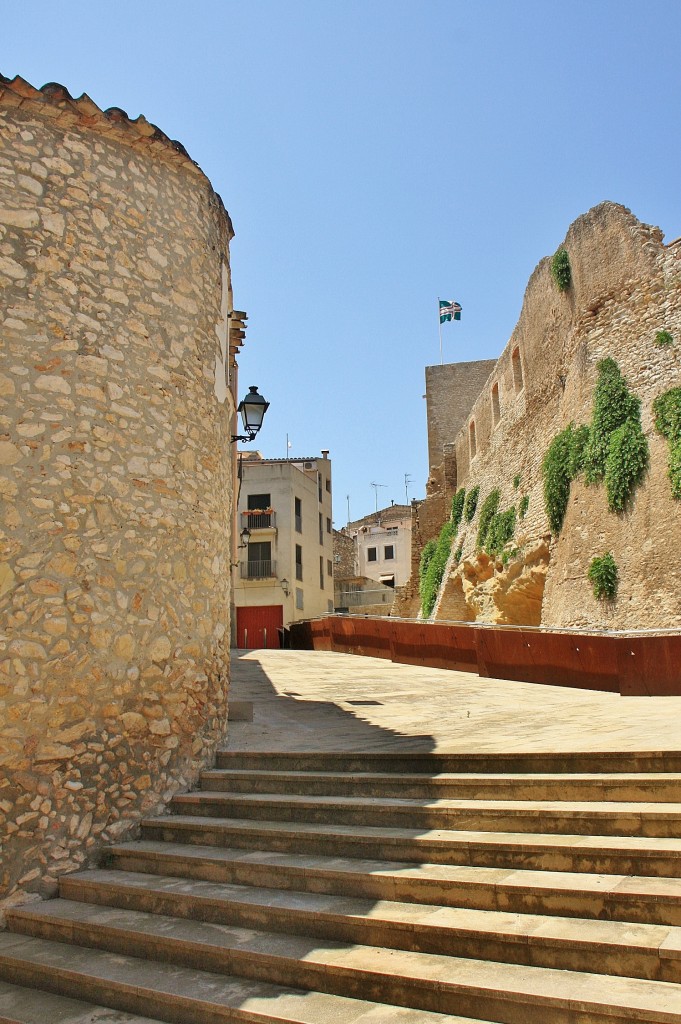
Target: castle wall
{"x":115,"y":478}
{"x":451,"y":390}
{"x":626,"y":286}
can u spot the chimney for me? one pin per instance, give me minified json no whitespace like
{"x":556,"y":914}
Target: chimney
{"x":325,"y":452}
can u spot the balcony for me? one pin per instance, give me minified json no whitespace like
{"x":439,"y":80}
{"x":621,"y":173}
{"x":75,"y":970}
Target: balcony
{"x":263,"y":569}
{"x":259,"y":519}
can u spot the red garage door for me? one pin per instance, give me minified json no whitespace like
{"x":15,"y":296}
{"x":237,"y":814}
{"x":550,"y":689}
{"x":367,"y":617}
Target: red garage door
{"x":259,"y":627}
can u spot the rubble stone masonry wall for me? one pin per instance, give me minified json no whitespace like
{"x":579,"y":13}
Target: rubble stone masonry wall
{"x":115,"y":479}
{"x":626,"y":286}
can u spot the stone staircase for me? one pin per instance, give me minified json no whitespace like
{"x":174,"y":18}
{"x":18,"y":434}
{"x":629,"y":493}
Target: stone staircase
{"x":374,"y":889}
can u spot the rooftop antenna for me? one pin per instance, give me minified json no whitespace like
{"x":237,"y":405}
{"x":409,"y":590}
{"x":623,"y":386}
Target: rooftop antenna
{"x":375,"y":487}
{"x":347,"y":498}
{"x":407,"y":481}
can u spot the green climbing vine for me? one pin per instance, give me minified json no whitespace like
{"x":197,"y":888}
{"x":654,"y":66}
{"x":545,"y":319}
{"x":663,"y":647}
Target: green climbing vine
{"x":433,"y":567}
{"x":663,"y":339}
{"x":490,"y":507}
{"x":500,"y":531}
{"x":562,"y":462}
{"x":458,"y":502}
{"x":613,"y":405}
{"x":561,"y":271}
{"x":667,"y":412}
{"x":604,"y":577}
{"x":471,"y":503}
{"x":626,"y":463}
{"x":524,"y":505}
{"x":612,"y":448}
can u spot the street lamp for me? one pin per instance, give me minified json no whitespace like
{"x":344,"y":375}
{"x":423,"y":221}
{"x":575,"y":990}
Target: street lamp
{"x":252,"y":408}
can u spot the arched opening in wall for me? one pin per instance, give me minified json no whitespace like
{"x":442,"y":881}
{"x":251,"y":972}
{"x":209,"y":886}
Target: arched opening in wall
{"x":472,"y":444}
{"x":496,"y":409}
{"x":517,"y":371}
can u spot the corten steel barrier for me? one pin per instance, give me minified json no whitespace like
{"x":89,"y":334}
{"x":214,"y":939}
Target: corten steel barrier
{"x":630,"y":663}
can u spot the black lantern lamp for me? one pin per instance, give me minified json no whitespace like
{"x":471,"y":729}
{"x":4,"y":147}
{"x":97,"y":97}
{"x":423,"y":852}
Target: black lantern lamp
{"x":252,"y":408}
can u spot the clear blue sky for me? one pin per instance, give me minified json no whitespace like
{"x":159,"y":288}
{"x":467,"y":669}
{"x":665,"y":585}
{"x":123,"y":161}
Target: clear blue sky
{"x":374,"y":155}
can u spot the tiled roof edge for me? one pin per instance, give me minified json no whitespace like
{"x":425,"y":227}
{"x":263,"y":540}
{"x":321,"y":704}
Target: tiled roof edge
{"x":56,"y":102}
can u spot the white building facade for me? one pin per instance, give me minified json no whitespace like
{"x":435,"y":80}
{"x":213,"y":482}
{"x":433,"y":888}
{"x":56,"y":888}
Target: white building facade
{"x":383,"y":545}
{"x":284,"y":563}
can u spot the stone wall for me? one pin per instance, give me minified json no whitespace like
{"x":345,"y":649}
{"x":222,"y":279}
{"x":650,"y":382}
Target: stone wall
{"x":626,"y":286}
{"x":451,"y":390}
{"x":115,"y":477}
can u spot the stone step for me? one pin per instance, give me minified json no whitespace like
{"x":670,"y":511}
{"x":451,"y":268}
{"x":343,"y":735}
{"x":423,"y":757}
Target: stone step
{"x":185,"y":995}
{"x":650,"y":951}
{"x":567,"y":894}
{"x":29,"y":1006}
{"x":611,"y":786}
{"x":431,"y":763}
{"x":596,"y":854}
{"x":581,"y":818}
{"x":424,"y":981}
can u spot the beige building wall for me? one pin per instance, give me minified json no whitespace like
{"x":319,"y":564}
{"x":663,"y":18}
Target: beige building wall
{"x":310,"y":588}
{"x":383,"y":543}
{"x":115,"y":478}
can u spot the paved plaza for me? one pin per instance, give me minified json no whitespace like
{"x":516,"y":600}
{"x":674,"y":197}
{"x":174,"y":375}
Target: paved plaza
{"x":319,"y":700}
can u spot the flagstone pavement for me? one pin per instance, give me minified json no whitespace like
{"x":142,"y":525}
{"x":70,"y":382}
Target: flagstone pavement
{"x":319,"y":700}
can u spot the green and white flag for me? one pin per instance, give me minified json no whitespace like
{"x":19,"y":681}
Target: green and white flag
{"x":449,"y":310}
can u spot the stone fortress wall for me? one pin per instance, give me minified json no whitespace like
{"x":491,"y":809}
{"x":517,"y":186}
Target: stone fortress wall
{"x":116,"y":478}
{"x":626,"y":286}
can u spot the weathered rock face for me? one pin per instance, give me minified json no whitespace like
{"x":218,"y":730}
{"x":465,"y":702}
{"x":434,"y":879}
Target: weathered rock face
{"x":115,"y":477}
{"x":626,"y":286}
{"x":484,"y":589}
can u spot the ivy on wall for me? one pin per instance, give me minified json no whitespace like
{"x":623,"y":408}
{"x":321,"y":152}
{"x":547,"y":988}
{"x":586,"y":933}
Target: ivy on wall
{"x":458,"y":502}
{"x":490,"y":507}
{"x":433,"y":567}
{"x":471,"y":503}
{"x":613,"y":447}
{"x":663,"y":339}
{"x":561,"y":271}
{"x":500,"y":531}
{"x":667,"y":412}
{"x":524,"y":505}
{"x":562,"y":463}
{"x":613,"y":406}
{"x":604,"y":577}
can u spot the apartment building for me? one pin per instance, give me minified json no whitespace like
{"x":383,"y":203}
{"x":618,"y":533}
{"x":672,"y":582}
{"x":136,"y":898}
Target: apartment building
{"x":383,"y":541}
{"x":284,"y":569}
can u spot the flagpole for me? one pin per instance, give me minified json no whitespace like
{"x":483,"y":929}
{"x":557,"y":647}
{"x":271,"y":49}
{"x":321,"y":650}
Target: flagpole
{"x":439,"y":323}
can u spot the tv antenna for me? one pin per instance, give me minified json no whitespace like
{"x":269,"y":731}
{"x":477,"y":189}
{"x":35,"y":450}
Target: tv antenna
{"x":375,"y":487}
{"x":407,"y":481}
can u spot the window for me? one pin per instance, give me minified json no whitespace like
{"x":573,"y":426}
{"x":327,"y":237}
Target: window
{"x":391,"y":529}
{"x":371,"y":554}
{"x":299,"y":562}
{"x":298,"y":510}
{"x":258,"y":519}
{"x":472,"y":443}
{"x":321,"y":528}
{"x":321,"y":572}
{"x":319,"y":486}
{"x":328,"y":525}
{"x":259,"y":560}
{"x":329,"y":567}
{"x":299,"y":599}
{"x":328,"y":486}
{"x":496,"y":410}
{"x":259,"y":501}
{"x":517,"y":371}
{"x":388,"y":552}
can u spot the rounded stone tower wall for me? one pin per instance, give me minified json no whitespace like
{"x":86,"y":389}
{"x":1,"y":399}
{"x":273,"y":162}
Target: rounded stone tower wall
{"x":115,"y":477}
